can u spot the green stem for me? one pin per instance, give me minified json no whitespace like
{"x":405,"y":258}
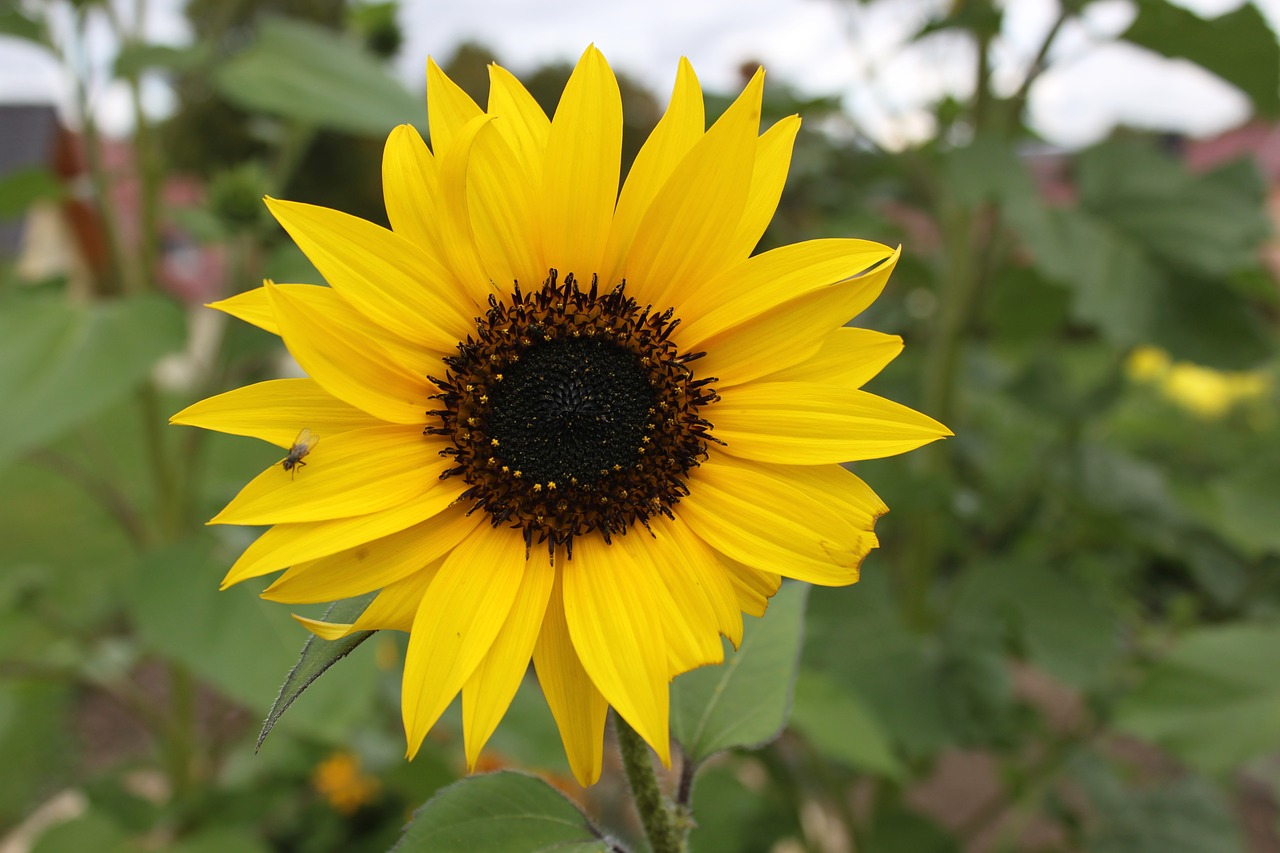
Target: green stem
{"x":179,"y":740}
{"x":659,"y":820}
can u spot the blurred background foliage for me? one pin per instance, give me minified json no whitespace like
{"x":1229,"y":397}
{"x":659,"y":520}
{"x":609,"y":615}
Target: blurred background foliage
{"x":1066,"y":643}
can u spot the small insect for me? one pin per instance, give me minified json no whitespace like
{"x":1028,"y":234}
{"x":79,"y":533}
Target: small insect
{"x":302,"y":445}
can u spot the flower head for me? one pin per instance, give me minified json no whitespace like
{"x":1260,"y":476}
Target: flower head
{"x":562,"y":423}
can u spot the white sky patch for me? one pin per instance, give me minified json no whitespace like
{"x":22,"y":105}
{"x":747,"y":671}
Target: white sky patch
{"x":858,"y":52}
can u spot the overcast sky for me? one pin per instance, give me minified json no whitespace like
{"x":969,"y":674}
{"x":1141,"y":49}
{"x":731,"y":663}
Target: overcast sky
{"x":820,"y":46}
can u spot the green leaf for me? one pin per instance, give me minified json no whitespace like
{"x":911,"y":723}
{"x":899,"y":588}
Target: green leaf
{"x":856,"y":636}
{"x":236,"y":641}
{"x":19,"y":190}
{"x":504,"y":812}
{"x":1245,"y":501}
{"x":1112,"y":284}
{"x":61,"y":363}
{"x":1239,"y":47}
{"x":1209,"y":225}
{"x":135,"y":58}
{"x":1215,"y":700}
{"x":1185,"y":815}
{"x":303,"y":72}
{"x":317,"y":656}
{"x":1056,"y":618}
{"x":840,"y":725}
{"x":1208,"y":323}
{"x":743,"y":701}
{"x":14,"y":23}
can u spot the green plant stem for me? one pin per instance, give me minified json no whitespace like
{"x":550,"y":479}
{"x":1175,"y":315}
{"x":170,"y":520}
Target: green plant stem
{"x":179,"y":735}
{"x":168,"y":506}
{"x":112,"y":499}
{"x":658,"y":819}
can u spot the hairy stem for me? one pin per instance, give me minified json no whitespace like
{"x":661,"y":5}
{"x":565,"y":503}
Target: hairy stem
{"x":658,"y":819}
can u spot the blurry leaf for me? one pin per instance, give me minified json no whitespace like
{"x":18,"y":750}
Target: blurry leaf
{"x":236,"y":641}
{"x":1208,"y":323}
{"x":839,"y":724}
{"x":1186,"y":815}
{"x":1246,"y":501}
{"x":743,"y":701}
{"x":317,"y":656}
{"x":14,"y":23}
{"x":135,"y":58}
{"x":735,"y":816}
{"x":1205,"y":224}
{"x":987,"y":169}
{"x":896,"y":830}
{"x":1215,"y":700}
{"x":855,"y":635}
{"x":1113,"y":286}
{"x":61,"y":363}
{"x":1239,"y":46}
{"x":35,"y":725}
{"x":502,"y":812}
{"x":19,"y":190}
{"x":1055,"y":617}
{"x":309,"y":74}
{"x":92,"y":831}
{"x":220,"y":840}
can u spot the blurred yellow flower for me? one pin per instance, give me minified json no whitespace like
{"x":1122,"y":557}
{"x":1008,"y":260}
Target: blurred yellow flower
{"x":514,"y":392}
{"x":340,"y":780}
{"x":1204,"y":392}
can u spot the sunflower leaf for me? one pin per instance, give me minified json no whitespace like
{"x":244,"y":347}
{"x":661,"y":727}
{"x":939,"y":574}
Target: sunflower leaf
{"x":60,"y":364}
{"x":317,"y":656}
{"x":308,"y":74}
{"x":745,"y":700}
{"x":503,"y":812}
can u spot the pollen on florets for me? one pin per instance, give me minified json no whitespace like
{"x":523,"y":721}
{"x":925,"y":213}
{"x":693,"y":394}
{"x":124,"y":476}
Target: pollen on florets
{"x":571,"y":412}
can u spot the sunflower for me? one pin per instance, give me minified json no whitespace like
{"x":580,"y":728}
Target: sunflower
{"x":552,"y":421}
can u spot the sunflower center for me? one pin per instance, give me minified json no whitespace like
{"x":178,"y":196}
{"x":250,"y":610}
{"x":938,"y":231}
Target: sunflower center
{"x":572,"y":409}
{"x":570,"y":412}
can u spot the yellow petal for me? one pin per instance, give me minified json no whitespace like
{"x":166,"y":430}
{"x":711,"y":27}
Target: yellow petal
{"x":684,"y":553}
{"x":848,"y":358}
{"x":576,"y":704}
{"x":788,"y":335}
{"x":761,"y":284}
{"x":349,"y":365}
{"x":349,"y":474}
{"x":690,"y":624}
{"x":458,"y":245}
{"x":762,"y":516}
{"x":289,"y":544}
{"x":806,"y":423}
{"x":752,"y":587}
{"x":843,"y":489}
{"x":614,"y":619}
{"x":275,"y":411}
{"x":392,"y":609}
{"x":681,"y":126}
{"x":490,"y":689}
{"x":391,"y":280}
{"x":448,"y":108}
{"x":373,"y":564}
{"x":580,"y":170}
{"x":254,"y":306}
{"x":500,"y":194}
{"x":410,"y":181}
{"x":773,"y":161}
{"x":684,"y":237}
{"x":456,"y":624}
{"x":521,"y":122}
